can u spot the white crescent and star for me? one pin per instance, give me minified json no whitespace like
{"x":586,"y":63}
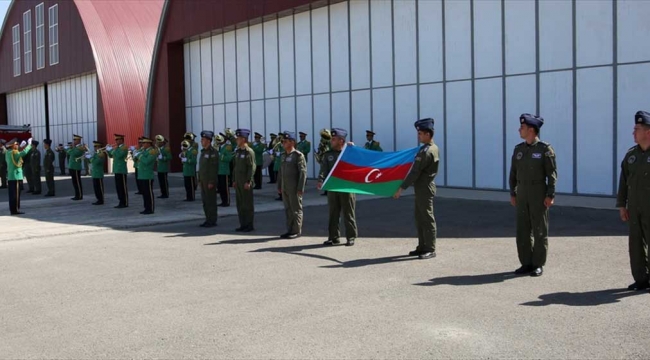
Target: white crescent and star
{"x":368,"y":176}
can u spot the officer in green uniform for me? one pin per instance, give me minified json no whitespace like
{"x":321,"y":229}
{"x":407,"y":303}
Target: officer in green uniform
{"x":194,"y":148}
{"x":97,"y":160}
{"x":27,"y":172}
{"x":3,"y":164}
{"x":269,"y":169}
{"x":164,"y":157}
{"x":338,"y":201}
{"x":258,"y":147}
{"x":136,"y":163}
{"x":188,"y":158}
{"x":421,"y":176}
{"x":277,"y":154}
{"x":533,"y":174}
{"x":292,"y":178}
{"x":633,"y":199}
{"x":243,"y":179}
{"x":35,"y":164}
{"x":48,"y":166}
{"x":61,"y":157}
{"x":371,"y":144}
{"x":304,"y":146}
{"x":208,"y":170}
{"x":147,"y":160}
{"x":14,"y":159}
{"x":119,"y":154}
{"x":226,"y":154}
{"x":75,"y":154}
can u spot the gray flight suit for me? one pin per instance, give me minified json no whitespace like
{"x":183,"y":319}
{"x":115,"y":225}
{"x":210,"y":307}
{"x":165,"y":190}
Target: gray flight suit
{"x":48,"y":168}
{"x":292,"y":178}
{"x":243,"y":172}
{"x":533,"y":175}
{"x":421,"y":176}
{"x":208,"y":170}
{"x":338,"y":201}
{"x":35,"y":163}
{"x":634,"y":193}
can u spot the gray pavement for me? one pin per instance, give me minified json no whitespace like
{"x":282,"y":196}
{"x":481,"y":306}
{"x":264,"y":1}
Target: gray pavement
{"x":81,"y":282}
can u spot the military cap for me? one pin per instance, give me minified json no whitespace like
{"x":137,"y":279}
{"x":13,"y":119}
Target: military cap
{"x":288,"y":135}
{"x":97,"y":143}
{"x":244,"y":133}
{"x":140,"y":139}
{"x":160,"y":138}
{"x":642,"y":117}
{"x":70,"y":143}
{"x":272,"y":135}
{"x":185,"y":144}
{"x":207,"y":134}
{"x":35,"y":143}
{"x":532,"y":120}
{"x":339,"y":132}
{"x":12,"y":142}
{"x":302,"y":133}
{"x":258,"y":135}
{"x":189,"y":136}
{"x":424,"y":124}
{"x":76,"y":137}
{"x":370,"y":132}
{"x":3,"y":141}
{"x":60,"y":144}
{"x":146,"y":140}
{"x":47,"y":141}
{"x":118,"y":136}
{"x":219,"y":138}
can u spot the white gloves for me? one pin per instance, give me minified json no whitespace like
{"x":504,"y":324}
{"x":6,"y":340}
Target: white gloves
{"x":23,"y":144}
{"x":88,"y":156}
{"x":29,"y":141}
{"x":132,"y":148}
{"x":184,"y":159}
{"x":278,"y":153}
{"x":160,"y":157}
{"x":109,"y":148}
{"x":136,"y":154}
{"x":180,"y":156}
{"x":66,"y":147}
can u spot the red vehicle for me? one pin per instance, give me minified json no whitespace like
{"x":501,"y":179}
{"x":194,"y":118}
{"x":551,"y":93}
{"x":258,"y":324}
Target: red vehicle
{"x":9,"y":132}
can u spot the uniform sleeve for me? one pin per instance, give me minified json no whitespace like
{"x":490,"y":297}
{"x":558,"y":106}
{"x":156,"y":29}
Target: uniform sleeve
{"x":512,"y":180}
{"x":167,"y":154}
{"x":324,"y":169}
{"x":25,"y":151}
{"x":551,"y":172}
{"x":110,"y":153}
{"x":36,"y":161}
{"x":191,"y":157}
{"x":379,"y":147}
{"x":302,"y":173}
{"x":250,"y":167}
{"x":621,"y":196}
{"x":148,"y":159}
{"x":416,"y":169}
{"x":278,"y":179}
{"x":211,"y":177}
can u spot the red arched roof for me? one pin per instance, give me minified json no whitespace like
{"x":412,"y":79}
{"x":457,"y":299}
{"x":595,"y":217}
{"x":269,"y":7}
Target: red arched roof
{"x":122,"y":36}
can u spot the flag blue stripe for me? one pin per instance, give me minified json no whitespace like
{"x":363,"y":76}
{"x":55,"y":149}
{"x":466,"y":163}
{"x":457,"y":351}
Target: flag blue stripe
{"x":376,"y":159}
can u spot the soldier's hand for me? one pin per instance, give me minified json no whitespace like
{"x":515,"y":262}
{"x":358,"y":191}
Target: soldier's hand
{"x":397,"y":193}
{"x":319,"y":185}
{"x":350,"y":143}
{"x":625,"y":215}
{"x":247,"y":186}
{"x":548,"y":202}
{"x":513,"y":200}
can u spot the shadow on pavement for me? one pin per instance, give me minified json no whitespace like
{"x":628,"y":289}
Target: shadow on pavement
{"x":465,"y":280}
{"x":589,"y":298}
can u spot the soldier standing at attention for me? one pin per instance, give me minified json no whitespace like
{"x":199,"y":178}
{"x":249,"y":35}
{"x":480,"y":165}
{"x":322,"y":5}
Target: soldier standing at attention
{"x":292,"y":178}
{"x":136,"y":163}
{"x":422,"y":175}
{"x":3,"y":164}
{"x":75,"y":153}
{"x":372,"y":144}
{"x":35,"y":163}
{"x":208,"y":170}
{"x":164,"y":157}
{"x":226,"y":154}
{"x":14,"y":159}
{"x":243,"y":179}
{"x":277,"y":153}
{"x":119,"y":154}
{"x":338,"y":201}
{"x":48,"y":166}
{"x":533,"y":174}
{"x":147,"y":159}
{"x":61,"y":156}
{"x":304,"y":146}
{"x":258,"y":147}
{"x":97,"y":161}
{"x":633,"y":199}
{"x":27,"y":172}
{"x":272,"y":177}
{"x":188,"y":158}
{"x":194,"y":148}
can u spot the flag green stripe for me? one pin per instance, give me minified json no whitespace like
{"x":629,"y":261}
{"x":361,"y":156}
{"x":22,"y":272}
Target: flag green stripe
{"x":381,"y":189}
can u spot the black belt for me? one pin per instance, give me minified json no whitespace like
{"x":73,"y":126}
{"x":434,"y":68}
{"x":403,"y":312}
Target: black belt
{"x":531,"y":182}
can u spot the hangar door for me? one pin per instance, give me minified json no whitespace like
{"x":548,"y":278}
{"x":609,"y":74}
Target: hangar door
{"x":28,"y":107}
{"x":73,"y":109}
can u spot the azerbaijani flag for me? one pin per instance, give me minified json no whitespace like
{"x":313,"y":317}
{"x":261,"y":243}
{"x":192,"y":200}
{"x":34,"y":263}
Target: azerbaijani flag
{"x":368,"y":172}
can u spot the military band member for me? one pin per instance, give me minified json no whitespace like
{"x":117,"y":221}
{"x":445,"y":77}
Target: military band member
{"x":164,"y":157}
{"x":35,"y":164}
{"x":119,"y":154}
{"x":633,"y":200}
{"x":61,"y":156}
{"x":304,"y":146}
{"x":75,"y":153}
{"x":226,"y":155}
{"x":231,"y":140}
{"x":272,"y":177}
{"x":259,"y":148}
{"x":243,"y":178}
{"x":27,"y":172}
{"x":277,"y":154}
{"x":97,"y":160}
{"x":48,"y":167}
{"x":338,"y":202}
{"x":14,"y":158}
{"x":3,"y":164}
{"x":292,"y":178}
{"x":533,"y":174}
{"x":147,"y":160}
{"x":188,"y":158}
{"x":323,"y":147}
{"x":208,"y":170}
{"x":194,"y":148}
{"x":422,"y":175}
{"x":371,"y":144}
{"x":136,"y":164}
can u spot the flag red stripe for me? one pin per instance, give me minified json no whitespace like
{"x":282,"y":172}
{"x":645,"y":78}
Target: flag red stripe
{"x":360,"y":174}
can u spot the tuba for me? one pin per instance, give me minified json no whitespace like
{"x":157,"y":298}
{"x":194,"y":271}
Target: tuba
{"x":324,"y":145}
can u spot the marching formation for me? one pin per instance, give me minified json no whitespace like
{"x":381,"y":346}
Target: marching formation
{"x":227,"y":160}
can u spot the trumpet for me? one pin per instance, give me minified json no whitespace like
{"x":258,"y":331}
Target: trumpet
{"x":81,"y":157}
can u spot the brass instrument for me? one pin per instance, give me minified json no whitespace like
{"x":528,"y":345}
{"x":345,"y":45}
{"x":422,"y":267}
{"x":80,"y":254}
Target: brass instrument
{"x":324,"y":145}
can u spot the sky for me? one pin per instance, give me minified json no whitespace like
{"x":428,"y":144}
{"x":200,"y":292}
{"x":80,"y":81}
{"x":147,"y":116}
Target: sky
{"x":4,"y":5}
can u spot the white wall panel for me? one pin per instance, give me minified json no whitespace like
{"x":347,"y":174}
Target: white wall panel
{"x":288,"y":114}
{"x":459,"y":125}
{"x":405,"y":42}
{"x":257,"y":62}
{"x":555,"y":29}
{"x":244,"y":114}
{"x":195,"y":72}
{"x":219,"y":114}
{"x":382,"y":114}
{"x":286,"y":56}
{"x":217,"y":69}
{"x":206,"y":71}
{"x":340,"y":43}
{"x":187,"y":76}
{"x":593,"y":32}
{"x":243,"y":78}
{"x":360,"y":44}
{"x":207,"y":115}
{"x":322,"y":112}
{"x":458,"y":45}
{"x":487,"y":38}
{"x":406,"y":113}
{"x":595,"y":112}
{"x":272,"y":117}
{"x":257,"y":118}
{"x":489,"y":133}
{"x":320,"y":50}
{"x":231,"y":116}
{"x":271,"y":69}
{"x":188,"y":119}
{"x":520,"y":36}
{"x":341,"y":111}
{"x":633,"y":81}
{"x":197,"y":120}
{"x":303,"y":54}
{"x":432,"y":106}
{"x":633,"y":29}
{"x":556,"y":107}
{"x":430,"y":40}
{"x":520,"y":98}
{"x":382,"y":49}
{"x":230,"y":66}
{"x":360,"y":115}
{"x":303,"y":113}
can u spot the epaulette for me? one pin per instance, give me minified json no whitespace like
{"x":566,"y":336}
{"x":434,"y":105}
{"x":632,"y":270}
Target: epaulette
{"x":631,"y":149}
{"x":194,"y":152}
{"x":520,"y":144}
{"x":544,"y":143}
